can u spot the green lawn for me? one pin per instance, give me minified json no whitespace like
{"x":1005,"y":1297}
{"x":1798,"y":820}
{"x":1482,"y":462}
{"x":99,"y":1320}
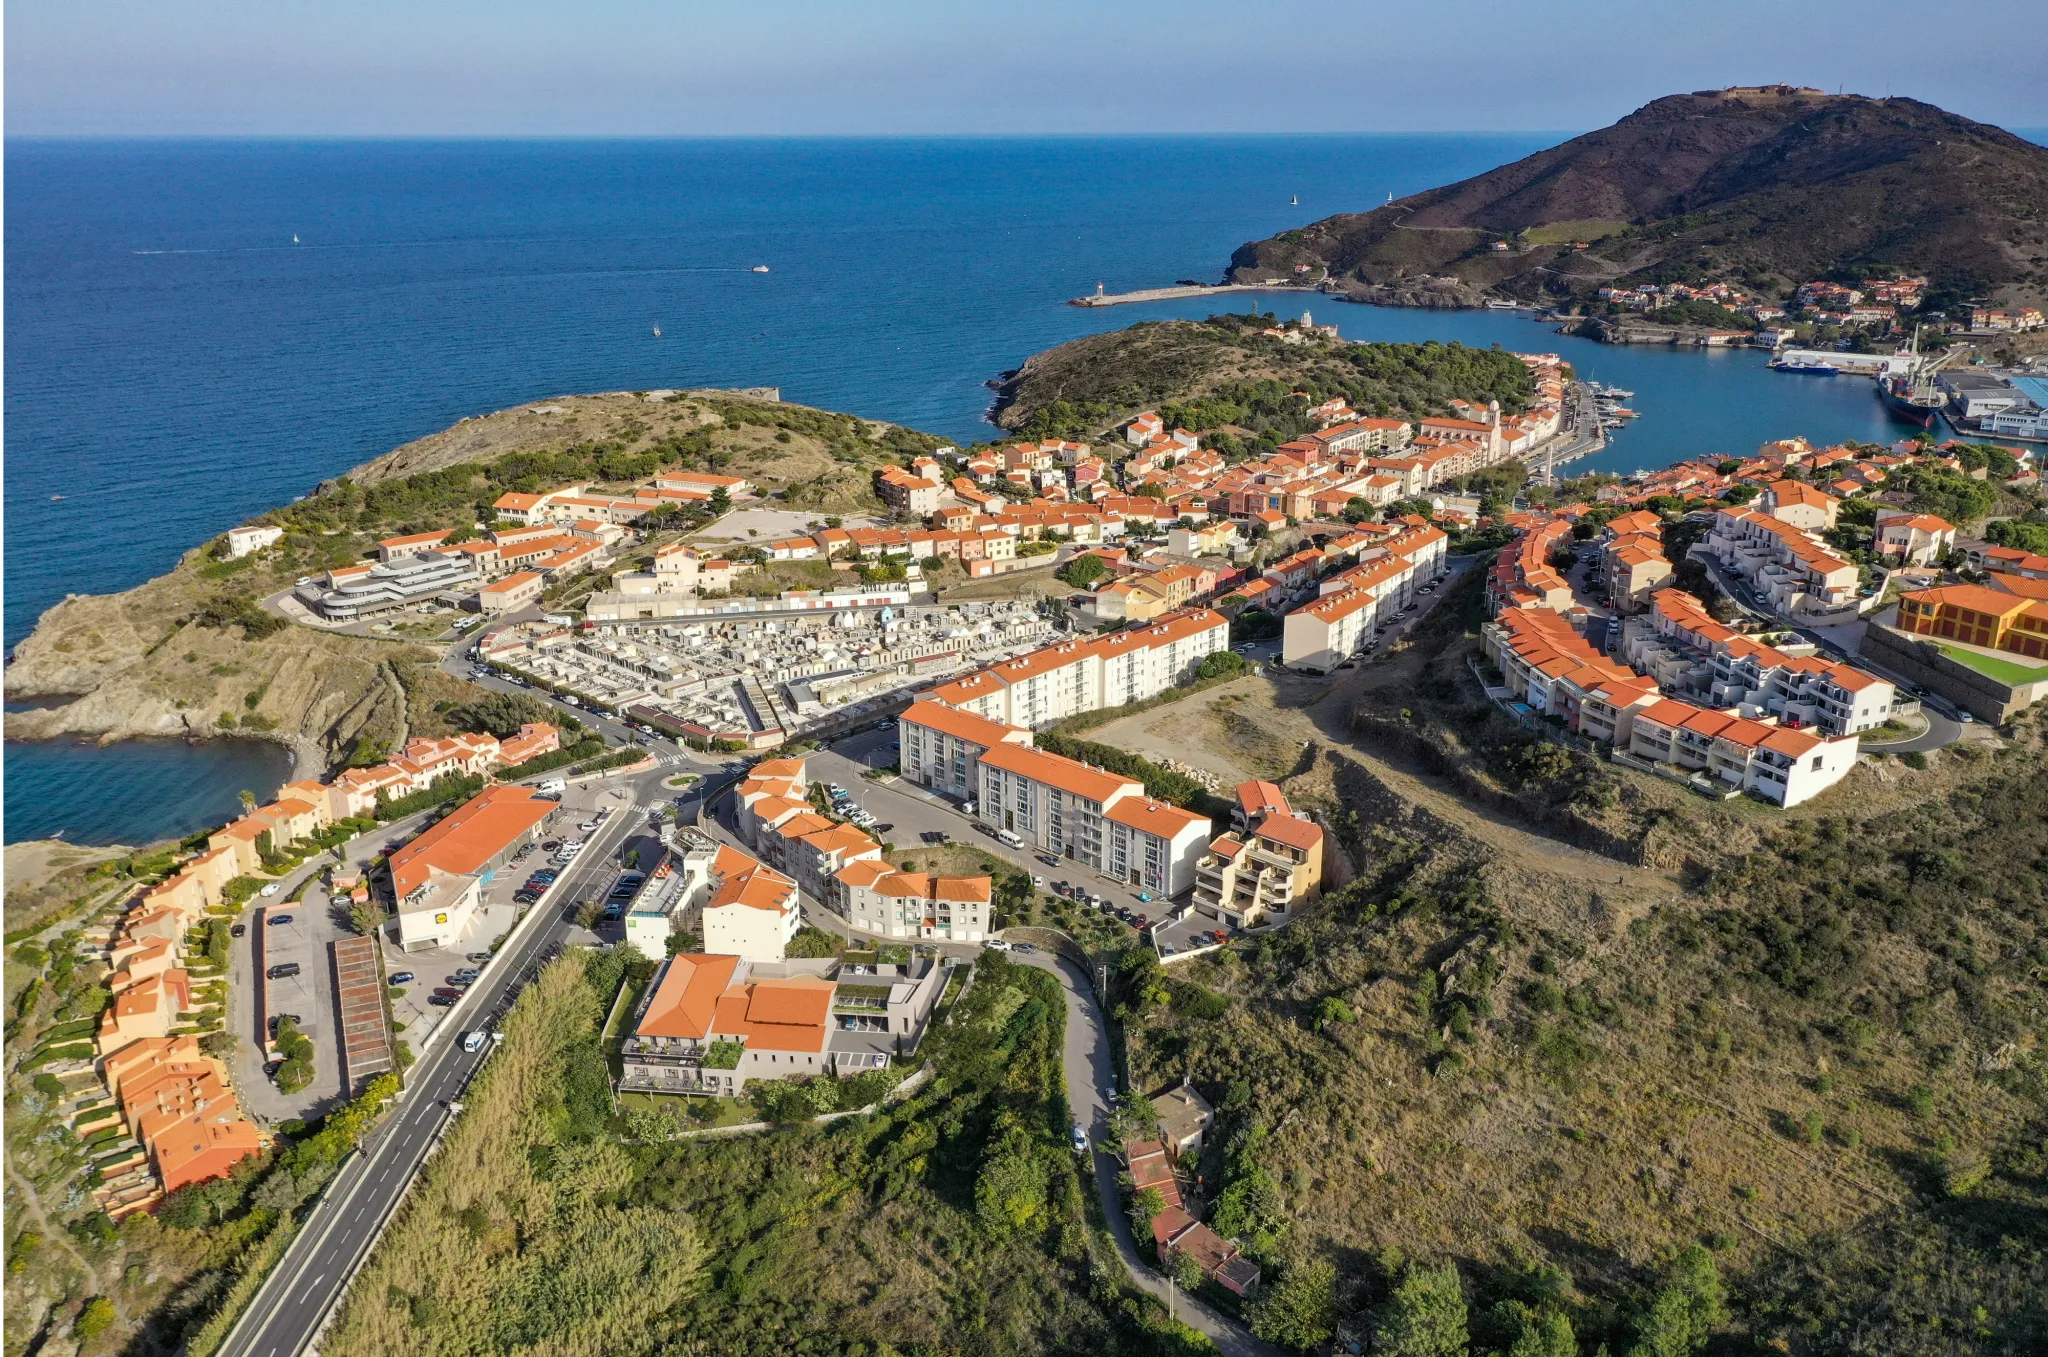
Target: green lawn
{"x":2005,"y":671}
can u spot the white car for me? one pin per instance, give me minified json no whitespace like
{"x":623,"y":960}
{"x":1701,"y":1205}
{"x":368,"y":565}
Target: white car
{"x":996,"y":945}
{"x":269,"y":890}
{"x":587,"y":826}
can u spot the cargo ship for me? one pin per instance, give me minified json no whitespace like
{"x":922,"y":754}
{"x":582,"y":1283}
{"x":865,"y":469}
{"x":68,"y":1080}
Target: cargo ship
{"x":1913,"y":396}
{"x":1910,"y":399}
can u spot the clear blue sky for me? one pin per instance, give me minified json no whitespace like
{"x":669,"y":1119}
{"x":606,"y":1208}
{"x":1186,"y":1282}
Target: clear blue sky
{"x":686,"y":67}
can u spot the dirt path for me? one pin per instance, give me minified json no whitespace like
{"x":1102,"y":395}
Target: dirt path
{"x":1290,"y":711}
{"x":53,"y":1234}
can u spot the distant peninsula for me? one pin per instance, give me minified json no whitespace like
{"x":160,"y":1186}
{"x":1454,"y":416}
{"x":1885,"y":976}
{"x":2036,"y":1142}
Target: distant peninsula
{"x":1765,"y":187}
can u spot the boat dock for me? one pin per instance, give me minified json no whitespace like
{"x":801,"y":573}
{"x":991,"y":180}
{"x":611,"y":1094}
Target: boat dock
{"x":1167,"y":294}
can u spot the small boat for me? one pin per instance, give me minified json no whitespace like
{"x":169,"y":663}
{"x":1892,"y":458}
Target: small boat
{"x":55,"y":498}
{"x":295,"y":237}
{"x":760,"y":268}
{"x":1295,"y":201}
{"x":657,"y":332}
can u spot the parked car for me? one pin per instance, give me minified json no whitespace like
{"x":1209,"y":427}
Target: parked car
{"x":268,"y":890}
{"x":283,"y":970}
{"x":448,"y":990}
{"x":467,"y":973}
{"x":238,"y":930}
{"x":442,"y":1000}
{"x":278,"y":1020}
{"x":525,"y":897}
{"x":280,"y":920}
{"x":996,"y":945}
{"x":399,"y":978}
{"x":588,"y":827}
{"x":460,"y":982}
{"x":1079,"y":1140}
{"x":480,"y":958}
{"x":933,"y":836}
{"x":271,"y":1067}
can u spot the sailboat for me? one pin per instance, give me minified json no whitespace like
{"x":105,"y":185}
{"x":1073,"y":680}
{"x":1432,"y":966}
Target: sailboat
{"x":295,"y":237}
{"x":1295,"y":201}
{"x":657,"y":331}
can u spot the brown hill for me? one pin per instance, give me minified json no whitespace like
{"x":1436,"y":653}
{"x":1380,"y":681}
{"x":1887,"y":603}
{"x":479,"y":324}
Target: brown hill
{"x":1770,"y":185}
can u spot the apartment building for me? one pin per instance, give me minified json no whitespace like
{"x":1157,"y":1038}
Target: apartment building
{"x":877,"y":898}
{"x":1632,"y":557}
{"x":906,"y":492}
{"x":1555,"y":673}
{"x":712,"y":1024}
{"x":1099,"y":819}
{"x":1784,"y":563}
{"x":1323,"y":634}
{"x":1781,"y":765}
{"x":1078,"y":675}
{"x":1266,"y":867}
{"x":752,"y":910}
{"x":1913,"y":539}
{"x":1522,"y":575}
{"x":940,"y":747}
{"x":1799,"y":504}
{"x":1724,"y":668}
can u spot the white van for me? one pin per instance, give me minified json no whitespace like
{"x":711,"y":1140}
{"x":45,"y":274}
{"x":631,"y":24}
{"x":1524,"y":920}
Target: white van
{"x":473,"y":1041}
{"x":1008,"y":839}
{"x":553,"y":786}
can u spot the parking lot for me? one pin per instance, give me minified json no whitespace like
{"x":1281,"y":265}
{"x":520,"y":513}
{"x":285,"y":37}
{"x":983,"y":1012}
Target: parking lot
{"x":497,"y":912}
{"x":904,"y":813}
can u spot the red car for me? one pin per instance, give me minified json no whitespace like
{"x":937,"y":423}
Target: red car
{"x":447,"y":992}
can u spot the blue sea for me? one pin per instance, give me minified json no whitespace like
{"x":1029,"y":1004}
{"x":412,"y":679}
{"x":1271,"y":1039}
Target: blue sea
{"x":199,"y":330}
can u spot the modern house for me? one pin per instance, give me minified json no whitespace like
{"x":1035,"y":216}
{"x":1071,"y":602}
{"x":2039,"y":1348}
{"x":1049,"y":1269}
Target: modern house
{"x":712,"y":1024}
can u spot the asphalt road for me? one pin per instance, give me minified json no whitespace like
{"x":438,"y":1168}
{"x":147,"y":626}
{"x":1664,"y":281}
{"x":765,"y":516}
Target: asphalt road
{"x":290,"y":1307}
{"x":1090,"y":1071}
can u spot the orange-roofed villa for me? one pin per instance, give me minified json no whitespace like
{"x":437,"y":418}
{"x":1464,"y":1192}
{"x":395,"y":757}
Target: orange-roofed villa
{"x":712,"y":1024}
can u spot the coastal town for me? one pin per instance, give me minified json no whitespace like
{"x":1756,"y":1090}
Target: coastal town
{"x":1741,"y":627}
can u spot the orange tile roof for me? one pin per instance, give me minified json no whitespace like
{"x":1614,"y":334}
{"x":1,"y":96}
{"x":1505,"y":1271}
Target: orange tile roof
{"x":777,"y":1015}
{"x":1291,"y":830}
{"x":742,"y":880}
{"x":687,"y":997}
{"x":1155,"y":817}
{"x":961,"y":725}
{"x":471,"y":835}
{"x":1053,"y":770}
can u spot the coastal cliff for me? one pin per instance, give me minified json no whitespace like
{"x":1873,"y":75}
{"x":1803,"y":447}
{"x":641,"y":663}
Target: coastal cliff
{"x":141,"y":663}
{"x":196,"y":653}
{"x":1768,"y":185}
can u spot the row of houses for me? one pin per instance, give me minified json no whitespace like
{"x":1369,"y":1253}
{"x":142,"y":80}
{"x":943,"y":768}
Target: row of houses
{"x":576,"y":503}
{"x":836,"y":863}
{"x":1351,"y":601}
{"x":1552,"y":671}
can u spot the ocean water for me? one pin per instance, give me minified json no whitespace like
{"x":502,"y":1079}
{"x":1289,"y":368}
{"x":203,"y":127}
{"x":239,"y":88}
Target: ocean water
{"x":133,"y":791}
{"x":177,"y":360}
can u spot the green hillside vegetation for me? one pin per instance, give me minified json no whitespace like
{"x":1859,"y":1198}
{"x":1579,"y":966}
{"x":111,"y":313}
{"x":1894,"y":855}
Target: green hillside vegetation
{"x":1806,"y":1042}
{"x":1222,"y":373}
{"x":1765,"y":187}
{"x":952,"y":1222}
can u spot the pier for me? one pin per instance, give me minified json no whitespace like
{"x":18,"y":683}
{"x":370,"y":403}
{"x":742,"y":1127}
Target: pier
{"x":1167,"y":294}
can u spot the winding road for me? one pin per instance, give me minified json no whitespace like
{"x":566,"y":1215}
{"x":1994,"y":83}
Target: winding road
{"x":1090,"y":1069}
